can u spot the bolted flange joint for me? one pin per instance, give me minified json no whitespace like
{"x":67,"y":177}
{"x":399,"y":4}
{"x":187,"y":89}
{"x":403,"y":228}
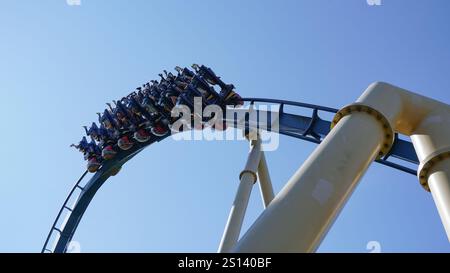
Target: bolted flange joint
{"x":428,"y":163}
{"x":389,"y":136}
{"x":252,"y":173}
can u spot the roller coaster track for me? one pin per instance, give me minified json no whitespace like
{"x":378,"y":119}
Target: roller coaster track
{"x":309,"y":128}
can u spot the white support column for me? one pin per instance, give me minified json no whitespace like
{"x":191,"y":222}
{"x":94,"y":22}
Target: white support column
{"x":303,"y":211}
{"x":236,"y":217}
{"x":439,"y":183}
{"x":431,"y":140}
{"x":300,"y":215}
{"x":265,"y":183}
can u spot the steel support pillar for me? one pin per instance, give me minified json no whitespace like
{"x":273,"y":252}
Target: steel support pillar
{"x":236,"y":217}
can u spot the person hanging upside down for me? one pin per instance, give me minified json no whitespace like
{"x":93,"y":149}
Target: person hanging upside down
{"x":125,"y":125}
{"x":227,"y":94}
{"x":147,"y":111}
{"x":104,"y":138}
{"x":91,"y":153}
{"x":93,"y":156}
{"x":142,"y":123}
{"x":148,"y":120}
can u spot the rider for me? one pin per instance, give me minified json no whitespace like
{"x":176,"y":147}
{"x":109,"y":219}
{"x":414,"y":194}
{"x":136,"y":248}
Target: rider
{"x":148,"y":119}
{"x":138,"y":116}
{"x":104,"y":138}
{"x":168,"y":96}
{"x":125,"y":125}
{"x":90,"y":152}
{"x":209,"y":94}
{"x":149,"y":107}
{"x":93,"y":156}
{"x":81,"y":146}
{"x":227,"y":95}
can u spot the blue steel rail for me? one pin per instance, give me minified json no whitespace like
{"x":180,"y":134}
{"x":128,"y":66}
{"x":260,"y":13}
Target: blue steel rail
{"x":309,"y":128}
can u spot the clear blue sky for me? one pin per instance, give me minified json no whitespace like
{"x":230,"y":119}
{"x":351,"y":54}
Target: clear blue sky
{"x":59,"y":64}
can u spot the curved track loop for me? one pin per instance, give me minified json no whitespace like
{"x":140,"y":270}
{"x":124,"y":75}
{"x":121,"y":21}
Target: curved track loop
{"x":310,"y":128}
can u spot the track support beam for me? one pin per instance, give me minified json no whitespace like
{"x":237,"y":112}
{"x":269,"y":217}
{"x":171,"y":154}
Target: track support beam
{"x":265,"y":183}
{"x":248,"y":177}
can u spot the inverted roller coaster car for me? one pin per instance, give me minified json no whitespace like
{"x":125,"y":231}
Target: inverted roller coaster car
{"x":108,"y":152}
{"x":142,"y":136}
{"x":124,"y":143}
{"x":159,"y":130}
{"x":146,"y":113}
{"x":93,"y":165}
